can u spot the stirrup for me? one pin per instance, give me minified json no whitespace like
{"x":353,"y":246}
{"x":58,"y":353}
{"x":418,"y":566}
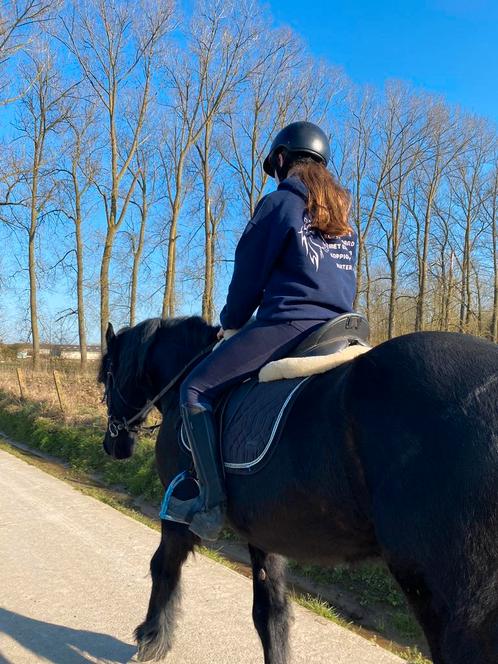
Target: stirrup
{"x":180,"y":511}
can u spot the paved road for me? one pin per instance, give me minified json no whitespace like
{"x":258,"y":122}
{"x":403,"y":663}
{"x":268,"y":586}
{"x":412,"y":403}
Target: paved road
{"x":74,"y":583}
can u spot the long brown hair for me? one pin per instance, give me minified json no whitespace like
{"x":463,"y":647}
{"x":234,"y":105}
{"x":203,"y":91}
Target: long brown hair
{"x":329,"y":203}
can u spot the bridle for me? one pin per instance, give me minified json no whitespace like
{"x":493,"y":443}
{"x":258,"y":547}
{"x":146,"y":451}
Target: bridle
{"x":115,"y":425}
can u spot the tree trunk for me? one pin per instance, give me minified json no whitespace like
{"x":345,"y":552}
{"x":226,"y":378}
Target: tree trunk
{"x":209,"y":235}
{"x":420,"y":313}
{"x":33,"y":303}
{"x":494,"y":232}
{"x":81,"y":297}
{"x":359,"y":273}
{"x":168,"y":309}
{"x":391,"y":325}
{"x":104,"y":285}
{"x":449,"y":293}
{"x":137,"y":254}
{"x":465,"y":277}
{"x":368,"y":287}
{"x":33,"y":295}
{"x":79,"y":271}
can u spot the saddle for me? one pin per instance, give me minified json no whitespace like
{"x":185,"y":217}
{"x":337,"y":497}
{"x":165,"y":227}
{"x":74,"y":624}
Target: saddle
{"x":334,"y":336}
{"x":252,"y":415}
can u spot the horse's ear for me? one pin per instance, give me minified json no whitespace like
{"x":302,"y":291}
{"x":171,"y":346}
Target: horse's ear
{"x":109,"y":334}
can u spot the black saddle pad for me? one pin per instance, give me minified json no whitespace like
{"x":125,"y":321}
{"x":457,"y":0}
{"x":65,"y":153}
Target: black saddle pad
{"x":252,"y":420}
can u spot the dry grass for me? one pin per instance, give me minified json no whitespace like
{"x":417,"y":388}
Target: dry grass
{"x":81,"y":394}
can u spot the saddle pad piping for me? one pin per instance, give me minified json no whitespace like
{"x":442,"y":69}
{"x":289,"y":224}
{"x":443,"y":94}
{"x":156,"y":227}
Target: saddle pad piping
{"x":250,"y":464}
{"x":182,"y":438}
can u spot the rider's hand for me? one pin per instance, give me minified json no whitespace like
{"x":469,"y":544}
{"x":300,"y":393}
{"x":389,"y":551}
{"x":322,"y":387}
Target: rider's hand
{"x":220,"y":333}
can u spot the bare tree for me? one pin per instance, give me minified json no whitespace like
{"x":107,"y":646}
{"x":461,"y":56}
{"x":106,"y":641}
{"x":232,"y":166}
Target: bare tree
{"x":145,"y":196}
{"x":268,"y":101}
{"x":403,"y":132}
{"x":214,"y":200}
{"x":444,"y":144}
{"x":117,"y":46}
{"x":491,"y":209}
{"x":77,"y":176}
{"x":44,"y":108}
{"x":221,"y":37}
{"x":360,"y":160}
{"x":18,"y":20}
{"x":467,"y":182}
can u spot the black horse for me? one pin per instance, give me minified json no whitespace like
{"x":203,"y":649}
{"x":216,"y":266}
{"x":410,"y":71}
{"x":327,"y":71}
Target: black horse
{"x":394,"y":454}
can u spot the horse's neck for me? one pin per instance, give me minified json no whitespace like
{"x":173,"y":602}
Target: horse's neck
{"x":162,"y":371}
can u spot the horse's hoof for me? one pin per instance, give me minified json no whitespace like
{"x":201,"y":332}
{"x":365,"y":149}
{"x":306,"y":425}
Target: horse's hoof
{"x":143,"y":656}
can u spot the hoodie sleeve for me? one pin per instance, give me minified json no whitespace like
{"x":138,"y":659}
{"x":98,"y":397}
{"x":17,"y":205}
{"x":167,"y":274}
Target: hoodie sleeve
{"x":255,"y":255}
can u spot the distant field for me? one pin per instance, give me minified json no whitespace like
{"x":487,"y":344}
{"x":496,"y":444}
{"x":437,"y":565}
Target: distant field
{"x":81,"y":393}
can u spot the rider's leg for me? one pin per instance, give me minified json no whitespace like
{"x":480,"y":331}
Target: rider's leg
{"x":236,"y":359}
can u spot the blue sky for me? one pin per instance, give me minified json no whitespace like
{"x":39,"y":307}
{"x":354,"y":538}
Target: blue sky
{"x":449,"y":47}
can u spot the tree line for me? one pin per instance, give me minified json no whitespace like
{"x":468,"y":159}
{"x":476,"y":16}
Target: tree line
{"x":132,"y":140}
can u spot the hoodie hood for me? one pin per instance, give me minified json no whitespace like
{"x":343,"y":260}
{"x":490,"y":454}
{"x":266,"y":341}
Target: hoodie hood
{"x":296,"y":185}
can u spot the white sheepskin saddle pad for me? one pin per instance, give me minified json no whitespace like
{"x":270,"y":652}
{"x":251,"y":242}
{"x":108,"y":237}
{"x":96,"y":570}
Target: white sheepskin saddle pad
{"x":295,"y":367}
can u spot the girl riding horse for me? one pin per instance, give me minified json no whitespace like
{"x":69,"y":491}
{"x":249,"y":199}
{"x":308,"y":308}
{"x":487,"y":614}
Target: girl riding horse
{"x":295,"y":263}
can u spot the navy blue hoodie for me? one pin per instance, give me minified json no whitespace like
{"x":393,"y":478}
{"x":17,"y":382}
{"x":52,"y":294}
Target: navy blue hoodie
{"x":287,"y":269}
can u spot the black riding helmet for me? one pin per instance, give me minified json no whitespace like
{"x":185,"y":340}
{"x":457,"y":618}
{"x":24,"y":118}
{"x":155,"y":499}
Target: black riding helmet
{"x":301,"y":137}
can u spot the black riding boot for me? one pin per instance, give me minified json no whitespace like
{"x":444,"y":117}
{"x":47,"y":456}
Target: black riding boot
{"x":206,"y":513}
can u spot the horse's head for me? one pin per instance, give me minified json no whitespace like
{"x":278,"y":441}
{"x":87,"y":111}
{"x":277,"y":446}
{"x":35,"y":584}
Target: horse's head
{"x":139,"y":361}
{"x":121,"y":372}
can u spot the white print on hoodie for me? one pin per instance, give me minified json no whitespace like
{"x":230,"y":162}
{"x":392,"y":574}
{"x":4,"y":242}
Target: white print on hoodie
{"x":318,"y":245}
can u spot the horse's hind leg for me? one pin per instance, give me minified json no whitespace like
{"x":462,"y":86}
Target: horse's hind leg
{"x":421,"y":601}
{"x":462,"y":628}
{"x":155,"y":635}
{"x":270,"y":605}
{"x":465,"y":642}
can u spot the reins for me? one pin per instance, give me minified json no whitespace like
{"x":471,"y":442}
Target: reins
{"x":115,"y":425}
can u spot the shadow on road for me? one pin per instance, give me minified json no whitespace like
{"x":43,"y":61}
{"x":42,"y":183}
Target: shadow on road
{"x":57,"y":643}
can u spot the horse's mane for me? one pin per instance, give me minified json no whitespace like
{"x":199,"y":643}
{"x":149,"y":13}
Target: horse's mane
{"x":134,"y":342}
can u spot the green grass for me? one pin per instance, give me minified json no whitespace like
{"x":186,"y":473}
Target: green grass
{"x":412,"y":656}
{"x":370,"y":582}
{"x":372,"y":585}
{"x":215,"y":555}
{"x":327,"y":611}
{"x":321,"y":608}
{"x":81,"y":447}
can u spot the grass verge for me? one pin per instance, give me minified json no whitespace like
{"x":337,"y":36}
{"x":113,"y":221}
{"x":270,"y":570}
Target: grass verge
{"x":80,"y":445}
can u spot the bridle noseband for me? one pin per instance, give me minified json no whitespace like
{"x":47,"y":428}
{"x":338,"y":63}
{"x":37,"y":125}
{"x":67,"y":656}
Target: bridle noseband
{"x":114,"y":424}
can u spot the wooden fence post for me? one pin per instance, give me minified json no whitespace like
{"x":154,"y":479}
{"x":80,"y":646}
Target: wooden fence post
{"x":22,"y":385}
{"x":58,"y":388}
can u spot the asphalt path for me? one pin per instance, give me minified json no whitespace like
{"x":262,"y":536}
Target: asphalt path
{"x":74,"y":583}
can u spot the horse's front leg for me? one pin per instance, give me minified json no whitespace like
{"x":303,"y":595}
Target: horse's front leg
{"x":155,"y":635}
{"x":270,"y":610}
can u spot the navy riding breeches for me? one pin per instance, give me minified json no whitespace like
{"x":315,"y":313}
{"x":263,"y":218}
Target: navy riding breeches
{"x":240,"y":356}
